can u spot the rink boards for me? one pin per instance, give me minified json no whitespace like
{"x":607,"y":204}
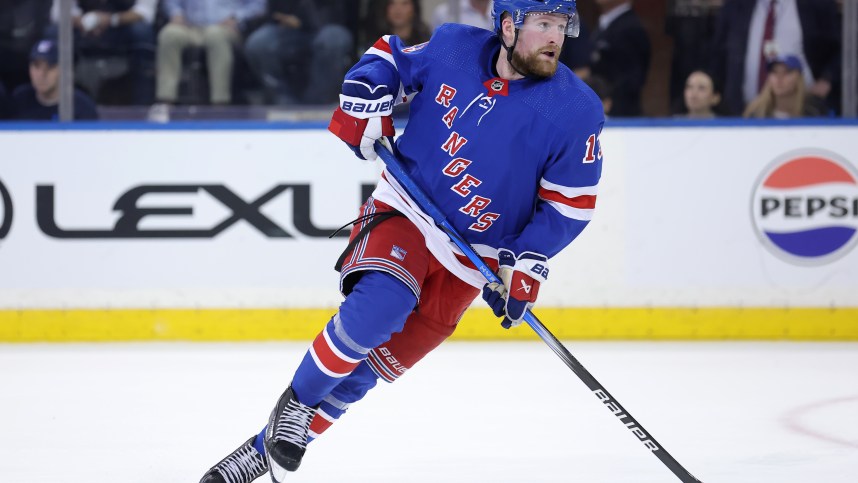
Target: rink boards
{"x":220,"y":232}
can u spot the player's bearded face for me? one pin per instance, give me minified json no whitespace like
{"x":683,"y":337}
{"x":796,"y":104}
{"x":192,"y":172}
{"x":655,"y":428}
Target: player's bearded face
{"x":538,"y":48}
{"x":540,"y":63}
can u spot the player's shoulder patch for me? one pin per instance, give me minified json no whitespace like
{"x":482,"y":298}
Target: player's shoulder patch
{"x":414,"y":48}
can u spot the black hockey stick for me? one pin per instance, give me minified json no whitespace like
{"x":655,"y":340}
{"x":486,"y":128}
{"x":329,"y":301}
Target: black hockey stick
{"x":394,"y":167}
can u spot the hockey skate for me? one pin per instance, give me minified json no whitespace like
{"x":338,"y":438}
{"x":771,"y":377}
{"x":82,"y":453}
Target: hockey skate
{"x":286,"y":436}
{"x":243,"y":465}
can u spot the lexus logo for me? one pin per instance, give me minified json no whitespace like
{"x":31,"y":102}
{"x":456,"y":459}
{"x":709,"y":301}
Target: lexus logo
{"x":5,"y":211}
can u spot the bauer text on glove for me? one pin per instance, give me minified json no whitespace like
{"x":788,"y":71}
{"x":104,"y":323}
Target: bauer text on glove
{"x":363,"y":117}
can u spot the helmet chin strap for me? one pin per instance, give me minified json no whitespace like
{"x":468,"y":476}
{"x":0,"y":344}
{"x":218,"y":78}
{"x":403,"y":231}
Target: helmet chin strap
{"x":509,"y":51}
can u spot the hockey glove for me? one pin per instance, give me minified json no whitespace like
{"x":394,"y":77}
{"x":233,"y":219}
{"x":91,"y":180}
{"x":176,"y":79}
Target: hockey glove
{"x":363,"y":117}
{"x":521,"y":278}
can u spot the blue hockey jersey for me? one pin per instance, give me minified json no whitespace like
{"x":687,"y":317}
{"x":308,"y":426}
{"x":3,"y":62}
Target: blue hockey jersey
{"x":512,"y":164}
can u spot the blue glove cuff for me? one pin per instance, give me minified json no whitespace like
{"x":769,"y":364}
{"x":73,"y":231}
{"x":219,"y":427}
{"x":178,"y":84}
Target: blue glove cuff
{"x":506,"y":258}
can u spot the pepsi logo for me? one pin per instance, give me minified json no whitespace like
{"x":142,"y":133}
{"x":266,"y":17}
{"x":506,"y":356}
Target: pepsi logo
{"x":805,"y":207}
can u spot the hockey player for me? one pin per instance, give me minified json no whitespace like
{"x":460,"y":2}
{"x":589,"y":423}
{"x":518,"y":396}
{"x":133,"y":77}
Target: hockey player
{"x":505,"y":140}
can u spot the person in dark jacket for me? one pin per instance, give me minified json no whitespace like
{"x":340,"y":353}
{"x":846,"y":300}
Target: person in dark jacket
{"x":621,"y":55}
{"x":738,"y":46}
{"x":576,"y":53}
{"x":123,"y":27}
{"x":302,"y":50}
{"x":691,"y":25}
{"x":39,"y":100}
{"x":279,"y":49}
{"x":333,"y":49}
{"x":22,"y":24}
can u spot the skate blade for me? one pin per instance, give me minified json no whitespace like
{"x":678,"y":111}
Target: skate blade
{"x":278,"y":473}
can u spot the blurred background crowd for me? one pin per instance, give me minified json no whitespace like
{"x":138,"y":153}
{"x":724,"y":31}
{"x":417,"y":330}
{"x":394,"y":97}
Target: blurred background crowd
{"x":173,"y":59}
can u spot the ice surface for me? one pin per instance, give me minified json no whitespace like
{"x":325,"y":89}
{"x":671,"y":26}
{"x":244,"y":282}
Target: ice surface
{"x":469,"y":412}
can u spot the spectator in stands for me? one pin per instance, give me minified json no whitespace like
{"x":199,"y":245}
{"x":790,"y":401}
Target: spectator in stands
{"x":398,"y":17}
{"x":39,"y":100}
{"x":277,"y":50}
{"x":621,"y":55}
{"x":333,"y":50}
{"x":602,"y":88}
{"x":750,"y":32}
{"x":303,"y":46}
{"x":691,"y":24}
{"x":22,"y":24}
{"x":471,"y":12}
{"x":577,"y":52}
{"x":216,"y":26}
{"x":702,"y":96}
{"x":784,"y":93}
{"x":117,"y":26}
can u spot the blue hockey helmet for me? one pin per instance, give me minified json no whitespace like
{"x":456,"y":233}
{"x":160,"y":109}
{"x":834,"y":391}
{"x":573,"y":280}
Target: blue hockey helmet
{"x":519,"y":8}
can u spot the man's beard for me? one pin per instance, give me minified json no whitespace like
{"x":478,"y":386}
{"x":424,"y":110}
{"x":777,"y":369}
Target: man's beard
{"x":534,"y":65}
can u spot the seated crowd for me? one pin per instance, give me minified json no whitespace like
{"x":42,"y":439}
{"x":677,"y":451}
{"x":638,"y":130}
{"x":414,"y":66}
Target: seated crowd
{"x":161,"y":53}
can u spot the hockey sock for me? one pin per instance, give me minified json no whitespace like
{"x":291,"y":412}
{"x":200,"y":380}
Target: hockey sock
{"x":376,"y":308}
{"x":352,"y":389}
{"x":259,"y":441}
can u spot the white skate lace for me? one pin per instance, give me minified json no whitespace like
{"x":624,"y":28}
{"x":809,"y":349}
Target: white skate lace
{"x":242,"y":466}
{"x":293,"y":423}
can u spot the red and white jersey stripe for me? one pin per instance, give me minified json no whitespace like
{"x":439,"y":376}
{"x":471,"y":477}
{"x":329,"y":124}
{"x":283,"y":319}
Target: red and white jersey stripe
{"x":381,"y":48}
{"x":572,"y":202}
